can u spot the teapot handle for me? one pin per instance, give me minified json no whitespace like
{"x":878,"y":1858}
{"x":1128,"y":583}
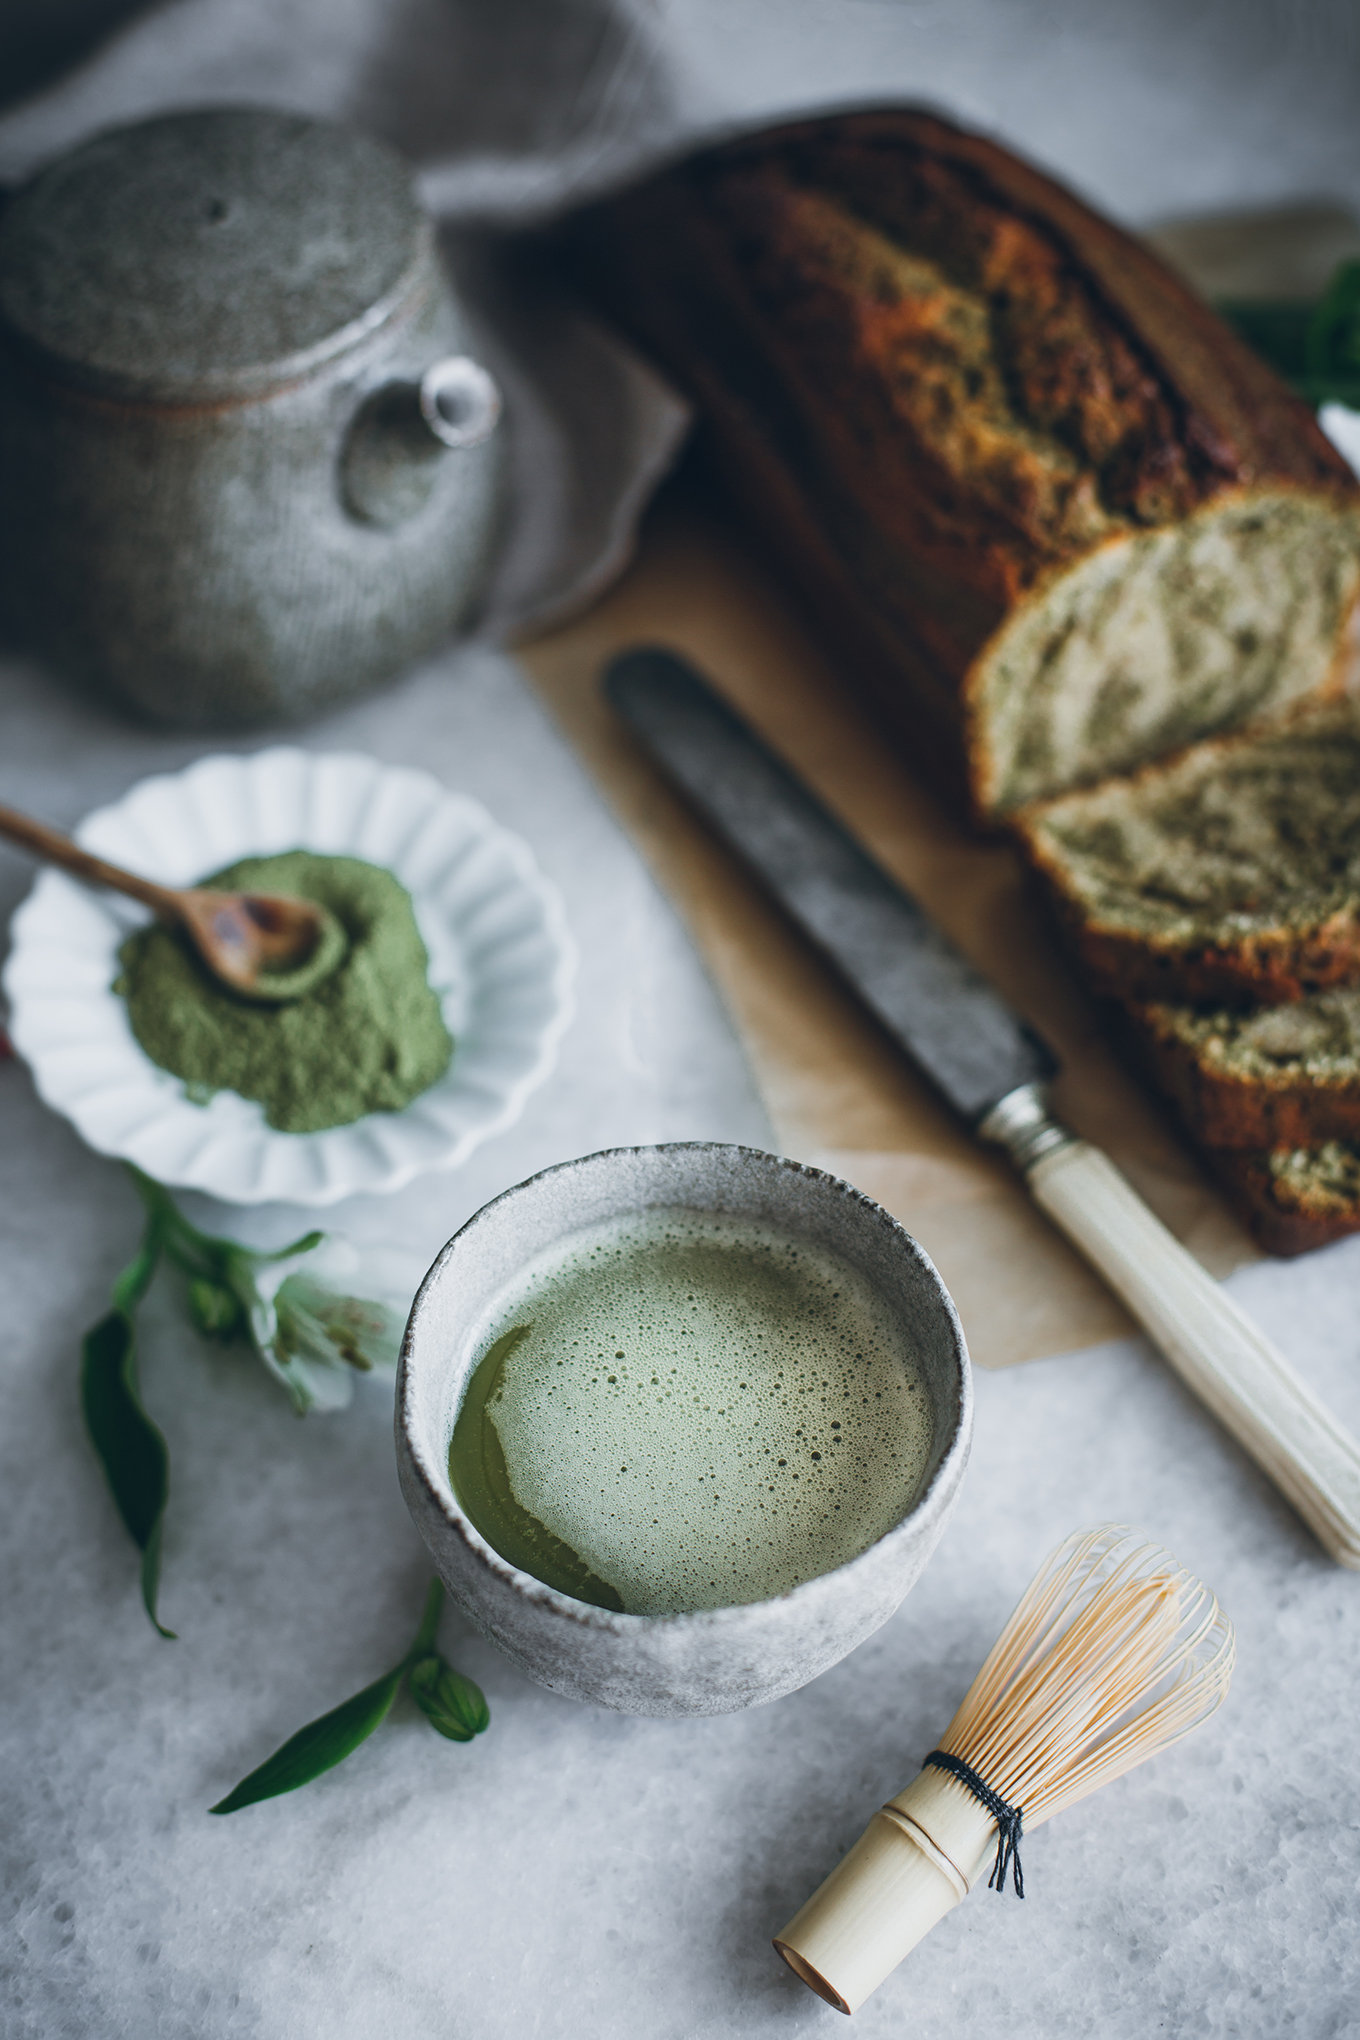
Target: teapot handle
{"x":459,"y":401}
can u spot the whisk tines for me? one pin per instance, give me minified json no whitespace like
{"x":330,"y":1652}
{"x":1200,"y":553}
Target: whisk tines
{"x":1114,"y":1652}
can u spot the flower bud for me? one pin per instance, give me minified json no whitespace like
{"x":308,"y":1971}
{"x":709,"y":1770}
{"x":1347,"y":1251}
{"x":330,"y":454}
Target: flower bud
{"x":452,"y":1704}
{"x":215,"y":1309}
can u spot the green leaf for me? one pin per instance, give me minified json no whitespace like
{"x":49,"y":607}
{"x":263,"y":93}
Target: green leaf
{"x":305,"y":1245}
{"x":451,"y":1703}
{"x":131,"y":1449}
{"x":1313,"y":343}
{"x":1278,"y":331}
{"x":328,"y":1741}
{"x":318,"y":1747}
{"x":1333,"y":343}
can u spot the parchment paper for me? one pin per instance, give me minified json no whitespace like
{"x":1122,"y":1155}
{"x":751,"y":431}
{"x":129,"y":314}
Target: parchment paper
{"x":838,"y":1093}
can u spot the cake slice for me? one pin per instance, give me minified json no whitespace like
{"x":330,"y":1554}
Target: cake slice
{"x":1054,"y":518}
{"x":1274,"y":1076}
{"x":1229,"y":874}
{"x":1294,"y":1198}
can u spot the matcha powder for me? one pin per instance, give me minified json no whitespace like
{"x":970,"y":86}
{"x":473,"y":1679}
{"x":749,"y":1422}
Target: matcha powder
{"x":369,"y":1038}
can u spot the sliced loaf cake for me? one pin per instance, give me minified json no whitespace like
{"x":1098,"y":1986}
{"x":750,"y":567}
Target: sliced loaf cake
{"x":1273,"y":1076}
{"x":1054,"y":517}
{"x":1229,"y":874}
{"x":1056,"y":523}
{"x":1294,"y":1198}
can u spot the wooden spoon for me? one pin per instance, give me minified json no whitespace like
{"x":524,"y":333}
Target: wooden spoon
{"x":265,"y":946}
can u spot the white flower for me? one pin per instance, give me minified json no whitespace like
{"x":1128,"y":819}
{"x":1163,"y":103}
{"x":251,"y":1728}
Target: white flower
{"x":319,"y":1317}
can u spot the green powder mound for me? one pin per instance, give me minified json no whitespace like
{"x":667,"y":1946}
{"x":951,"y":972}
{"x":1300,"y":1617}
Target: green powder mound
{"x":369,"y":1038}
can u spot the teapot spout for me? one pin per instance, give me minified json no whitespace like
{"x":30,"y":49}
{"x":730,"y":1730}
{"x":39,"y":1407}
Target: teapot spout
{"x":403,"y":432}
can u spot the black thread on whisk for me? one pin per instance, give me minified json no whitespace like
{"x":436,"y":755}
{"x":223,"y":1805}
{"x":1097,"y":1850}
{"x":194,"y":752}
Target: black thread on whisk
{"x":1009,"y":1820}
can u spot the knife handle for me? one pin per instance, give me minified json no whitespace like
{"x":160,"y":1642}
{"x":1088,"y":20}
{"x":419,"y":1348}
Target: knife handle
{"x":1222,"y":1357}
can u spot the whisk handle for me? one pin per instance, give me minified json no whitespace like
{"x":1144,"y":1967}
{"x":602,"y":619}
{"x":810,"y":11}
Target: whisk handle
{"x":1224,"y":1358}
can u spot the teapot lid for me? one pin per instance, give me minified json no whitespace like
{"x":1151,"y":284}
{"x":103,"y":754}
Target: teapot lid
{"x":209,"y":253}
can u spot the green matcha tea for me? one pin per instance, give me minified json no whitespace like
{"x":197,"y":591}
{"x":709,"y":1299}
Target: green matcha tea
{"x":679,"y":1411}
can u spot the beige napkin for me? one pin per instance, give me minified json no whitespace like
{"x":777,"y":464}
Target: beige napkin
{"x":838,"y":1093}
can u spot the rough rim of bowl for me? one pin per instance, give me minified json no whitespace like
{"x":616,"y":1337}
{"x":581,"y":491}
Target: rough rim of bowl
{"x":258,"y":1164}
{"x":934,"y":1496}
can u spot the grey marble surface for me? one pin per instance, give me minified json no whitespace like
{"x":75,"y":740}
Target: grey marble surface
{"x":575,"y":1871}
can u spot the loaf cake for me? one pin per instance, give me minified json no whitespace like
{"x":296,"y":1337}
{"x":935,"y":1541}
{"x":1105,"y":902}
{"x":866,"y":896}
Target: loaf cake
{"x":1294,"y":1199}
{"x":1229,"y":874}
{"x":1053,"y":516}
{"x":1087,"y":558}
{"x":1274,"y":1076}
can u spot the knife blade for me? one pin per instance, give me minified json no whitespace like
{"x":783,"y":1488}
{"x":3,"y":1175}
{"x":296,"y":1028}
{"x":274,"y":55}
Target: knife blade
{"x":994,"y":1071}
{"x":928,"y":997}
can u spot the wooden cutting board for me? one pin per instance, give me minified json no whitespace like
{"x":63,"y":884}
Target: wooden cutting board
{"x":838,"y":1093}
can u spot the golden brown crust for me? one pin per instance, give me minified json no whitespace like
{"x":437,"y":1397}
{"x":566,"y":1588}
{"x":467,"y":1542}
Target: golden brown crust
{"x":1273,"y":968}
{"x":1279,"y":1228}
{"x":912,"y":513}
{"x":1235,"y":414}
{"x":1230,"y":1109}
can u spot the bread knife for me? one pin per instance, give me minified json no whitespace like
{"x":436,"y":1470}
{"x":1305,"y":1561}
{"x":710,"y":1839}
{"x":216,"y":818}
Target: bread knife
{"x":994,"y":1071}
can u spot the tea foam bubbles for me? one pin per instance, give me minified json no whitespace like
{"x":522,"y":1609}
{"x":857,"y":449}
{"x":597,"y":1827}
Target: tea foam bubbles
{"x":707,"y":1411}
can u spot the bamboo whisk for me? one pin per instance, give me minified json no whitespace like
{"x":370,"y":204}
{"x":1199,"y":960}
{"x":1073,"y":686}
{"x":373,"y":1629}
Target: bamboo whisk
{"x":1115,"y":1652}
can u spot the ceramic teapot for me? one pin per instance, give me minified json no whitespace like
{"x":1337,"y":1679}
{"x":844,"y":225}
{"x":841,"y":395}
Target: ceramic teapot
{"x":247,"y":464}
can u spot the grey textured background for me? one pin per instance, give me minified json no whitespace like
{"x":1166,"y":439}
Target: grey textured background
{"x":1151,"y":106}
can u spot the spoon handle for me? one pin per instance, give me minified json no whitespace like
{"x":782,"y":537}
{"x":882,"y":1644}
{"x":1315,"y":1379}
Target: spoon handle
{"x":54,"y":848}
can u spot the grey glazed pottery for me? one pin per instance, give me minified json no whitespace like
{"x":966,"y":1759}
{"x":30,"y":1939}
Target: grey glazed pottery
{"x":719,"y":1660}
{"x":247,"y":467}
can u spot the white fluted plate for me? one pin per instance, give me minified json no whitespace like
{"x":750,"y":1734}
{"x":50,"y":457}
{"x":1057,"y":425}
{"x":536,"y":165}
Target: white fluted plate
{"x":501,"y":960}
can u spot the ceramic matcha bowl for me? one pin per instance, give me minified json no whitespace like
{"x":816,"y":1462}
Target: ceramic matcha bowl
{"x":716,"y":1659}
